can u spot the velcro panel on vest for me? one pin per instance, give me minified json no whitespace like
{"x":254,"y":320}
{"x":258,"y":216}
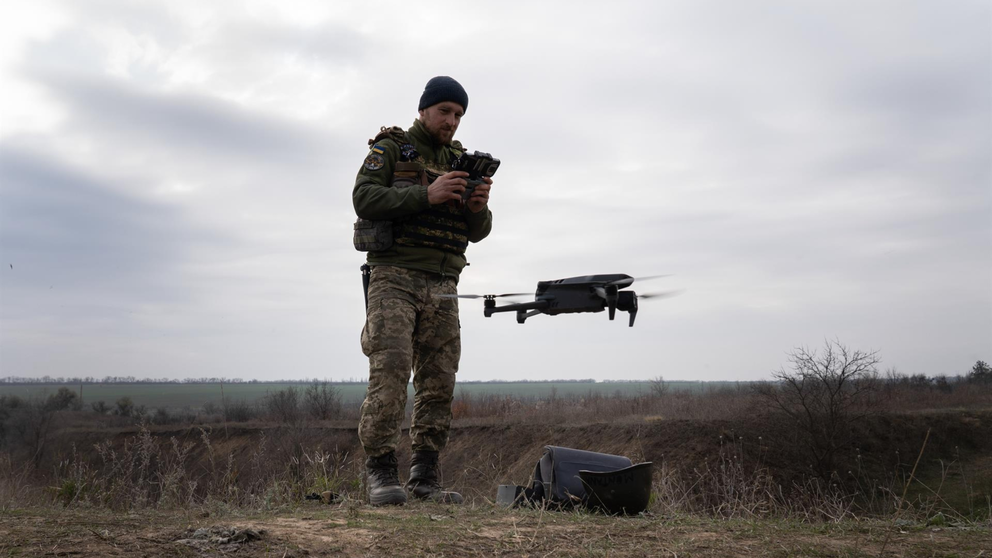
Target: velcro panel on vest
{"x":408,"y":173}
{"x":444,"y":229}
{"x":559,"y":471}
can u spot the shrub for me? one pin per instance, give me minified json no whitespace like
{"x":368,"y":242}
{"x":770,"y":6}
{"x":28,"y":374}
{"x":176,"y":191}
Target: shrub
{"x":63,"y":399}
{"x":240,"y":411}
{"x":161,"y":416}
{"x":284,"y":406}
{"x":322,"y":401}
{"x":125,"y":407}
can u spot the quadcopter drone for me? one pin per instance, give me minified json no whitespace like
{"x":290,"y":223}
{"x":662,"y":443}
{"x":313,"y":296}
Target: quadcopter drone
{"x":591,"y":293}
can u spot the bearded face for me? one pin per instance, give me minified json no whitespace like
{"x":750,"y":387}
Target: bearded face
{"x":441,"y":120}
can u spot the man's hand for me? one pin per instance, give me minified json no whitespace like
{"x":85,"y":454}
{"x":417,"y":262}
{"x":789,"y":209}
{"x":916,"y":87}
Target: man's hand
{"x":480,"y":196}
{"x":448,"y":186}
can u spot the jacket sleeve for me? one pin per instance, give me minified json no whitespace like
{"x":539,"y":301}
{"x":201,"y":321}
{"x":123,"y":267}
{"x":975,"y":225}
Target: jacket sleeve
{"x":373,"y":197}
{"x":479,"y":224}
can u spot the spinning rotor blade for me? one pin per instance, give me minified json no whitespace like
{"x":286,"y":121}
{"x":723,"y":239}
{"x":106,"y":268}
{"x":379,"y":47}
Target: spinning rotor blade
{"x":473,"y":296}
{"x":633,"y":279}
{"x":665,"y":294}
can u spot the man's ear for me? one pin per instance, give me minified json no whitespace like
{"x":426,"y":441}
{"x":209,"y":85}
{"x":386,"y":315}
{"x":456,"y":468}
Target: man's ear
{"x":421,"y":111}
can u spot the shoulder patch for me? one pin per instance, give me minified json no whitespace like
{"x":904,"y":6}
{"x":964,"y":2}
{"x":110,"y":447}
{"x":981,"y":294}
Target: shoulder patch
{"x":374,"y":161}
{"x":408,"y":152}
{"x":378,"y":149}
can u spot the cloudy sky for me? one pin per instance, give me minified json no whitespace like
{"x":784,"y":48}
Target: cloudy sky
{"x":175,"y":181}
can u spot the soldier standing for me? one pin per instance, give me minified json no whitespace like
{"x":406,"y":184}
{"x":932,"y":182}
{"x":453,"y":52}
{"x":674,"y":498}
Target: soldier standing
{"x":420,"y":227}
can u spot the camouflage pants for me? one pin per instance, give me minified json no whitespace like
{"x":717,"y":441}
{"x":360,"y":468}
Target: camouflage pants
{"x":408,"y":328}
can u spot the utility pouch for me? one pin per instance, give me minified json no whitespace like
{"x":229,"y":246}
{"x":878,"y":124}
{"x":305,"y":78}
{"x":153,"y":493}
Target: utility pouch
{"x":373,"y":236}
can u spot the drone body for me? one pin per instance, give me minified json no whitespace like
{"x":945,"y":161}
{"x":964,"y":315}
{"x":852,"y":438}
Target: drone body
{"x":590,"y":293}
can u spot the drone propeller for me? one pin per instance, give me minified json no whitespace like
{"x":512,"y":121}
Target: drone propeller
{"x":473,"y":296}
{"x":627,"y":281}
{"x":665,"y":294}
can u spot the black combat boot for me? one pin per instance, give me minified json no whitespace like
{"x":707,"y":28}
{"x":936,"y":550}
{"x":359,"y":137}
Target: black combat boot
{"x":425,"y":479}
{"x":384,"y":481}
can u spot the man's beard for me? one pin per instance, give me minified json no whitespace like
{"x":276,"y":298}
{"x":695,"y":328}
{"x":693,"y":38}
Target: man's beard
{"x":444,"y":136}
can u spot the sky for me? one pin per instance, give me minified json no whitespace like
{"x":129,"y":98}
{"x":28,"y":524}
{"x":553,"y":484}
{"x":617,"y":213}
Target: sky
{"x":176,"y":177}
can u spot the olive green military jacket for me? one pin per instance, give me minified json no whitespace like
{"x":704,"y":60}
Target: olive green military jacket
{"x":374,"y":199}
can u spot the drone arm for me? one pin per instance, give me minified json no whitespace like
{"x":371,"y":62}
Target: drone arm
{"x":536,"y":305}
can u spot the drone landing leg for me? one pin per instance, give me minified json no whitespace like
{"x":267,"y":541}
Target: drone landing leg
{"x":522,"y":315}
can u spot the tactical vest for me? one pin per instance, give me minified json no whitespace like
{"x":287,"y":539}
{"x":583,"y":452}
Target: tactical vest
{"x":442,"y":227}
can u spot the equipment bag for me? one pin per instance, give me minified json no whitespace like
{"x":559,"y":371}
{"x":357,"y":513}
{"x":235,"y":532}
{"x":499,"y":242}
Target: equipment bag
{"x":556,"y":476}
{"x":566,"y":477}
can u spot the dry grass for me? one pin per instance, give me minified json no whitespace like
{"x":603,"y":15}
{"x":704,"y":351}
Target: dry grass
{"x":264,"y":467}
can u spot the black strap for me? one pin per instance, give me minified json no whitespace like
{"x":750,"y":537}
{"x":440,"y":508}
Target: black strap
{"x":366,"y":274}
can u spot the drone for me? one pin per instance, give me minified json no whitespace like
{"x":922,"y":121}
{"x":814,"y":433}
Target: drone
{"x":589,"y":293}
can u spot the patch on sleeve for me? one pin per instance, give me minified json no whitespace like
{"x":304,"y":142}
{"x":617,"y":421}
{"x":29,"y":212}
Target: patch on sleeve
{"x":377,"y":149}
{"x":408,"y":152}
{"x":374,"y":161}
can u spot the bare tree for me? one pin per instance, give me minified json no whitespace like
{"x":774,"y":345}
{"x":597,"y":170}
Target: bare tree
{"x":825,"y":393}
{"x":322,"y":400}
{"x":28,"y":424}
{"x":658,"y":385}
{"x":284,"y":406}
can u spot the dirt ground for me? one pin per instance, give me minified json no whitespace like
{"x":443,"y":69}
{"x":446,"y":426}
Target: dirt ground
{"x":352,"y":529}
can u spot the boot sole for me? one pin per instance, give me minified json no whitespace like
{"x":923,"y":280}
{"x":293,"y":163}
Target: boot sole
{"x":395,"y":497}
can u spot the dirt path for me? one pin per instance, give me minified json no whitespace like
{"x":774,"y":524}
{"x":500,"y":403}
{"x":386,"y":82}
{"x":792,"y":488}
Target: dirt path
{"x":352,"y":530}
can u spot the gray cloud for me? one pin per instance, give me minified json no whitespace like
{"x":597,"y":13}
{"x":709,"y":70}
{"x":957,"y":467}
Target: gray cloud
{"x":63,"y":226}
{"x":805,"y":171}
{"x":186,"y":123}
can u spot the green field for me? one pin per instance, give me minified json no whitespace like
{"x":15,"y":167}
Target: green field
{"x":177,"y":396}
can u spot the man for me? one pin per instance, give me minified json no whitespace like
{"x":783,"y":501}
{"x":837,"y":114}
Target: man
{"x":407,"y":182}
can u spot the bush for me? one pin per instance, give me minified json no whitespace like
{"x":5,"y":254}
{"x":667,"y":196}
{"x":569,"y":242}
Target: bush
{"x":63,"y":399}
{"x":284,"y":406}
{"x":322,"y":401}
{"x":161,"y":416}
{"x":125,"y":407}
{"x":240,"y":411}
{"x":25,"y":425}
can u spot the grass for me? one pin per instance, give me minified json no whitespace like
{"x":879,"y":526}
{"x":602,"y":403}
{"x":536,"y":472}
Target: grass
{"x":422,"y":529}
{"x":275,"y":469}
{"x":728,"y":483}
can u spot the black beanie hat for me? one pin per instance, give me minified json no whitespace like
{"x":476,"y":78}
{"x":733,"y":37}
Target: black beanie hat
{"x":441,"y":89}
